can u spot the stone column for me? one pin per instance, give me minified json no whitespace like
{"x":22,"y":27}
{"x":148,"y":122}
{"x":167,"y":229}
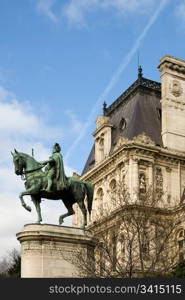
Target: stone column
{"x":179,"y":181}
{"x":134,"y":178}
{"x":48,"y":251}
{"x":169,"y":184}
{"x":151,"y":174}
{"x":127,"y":172}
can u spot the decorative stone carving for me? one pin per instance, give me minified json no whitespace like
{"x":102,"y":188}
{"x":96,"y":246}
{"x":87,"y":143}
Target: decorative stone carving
{"x":120,"y":142}
{"x":173,"y":64}
{"x":101,"y":120}
{"x":143,"y":139}
{"x":175,"y":88}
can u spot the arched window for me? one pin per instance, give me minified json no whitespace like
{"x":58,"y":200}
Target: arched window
{"x":101,"y":148}
{"x":112,"y":193}
{"x":99,"y":198}
{"x":112,"y":185}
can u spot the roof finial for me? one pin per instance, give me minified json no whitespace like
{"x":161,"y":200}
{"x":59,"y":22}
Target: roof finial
{"x":140,"y":72}
{"x":104,"y":108}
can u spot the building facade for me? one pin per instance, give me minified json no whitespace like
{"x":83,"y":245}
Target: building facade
{"x":138,"y":162}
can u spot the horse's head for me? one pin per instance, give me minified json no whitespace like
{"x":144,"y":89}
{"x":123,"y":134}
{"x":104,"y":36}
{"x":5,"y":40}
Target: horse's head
{"x":19,"y":162}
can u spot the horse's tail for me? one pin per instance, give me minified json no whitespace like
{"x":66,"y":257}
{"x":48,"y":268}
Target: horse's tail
{"x":89,"y":192}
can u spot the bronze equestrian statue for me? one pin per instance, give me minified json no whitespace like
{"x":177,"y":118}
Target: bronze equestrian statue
{"x":52,"y":183}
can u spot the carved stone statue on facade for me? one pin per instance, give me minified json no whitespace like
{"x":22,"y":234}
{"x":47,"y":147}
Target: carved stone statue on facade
{"x":176,"y":88}
{"x":142,"y":183}
{"x":52,"y":184}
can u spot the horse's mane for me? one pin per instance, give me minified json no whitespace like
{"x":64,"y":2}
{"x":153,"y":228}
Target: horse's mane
{"x":28,"y":156}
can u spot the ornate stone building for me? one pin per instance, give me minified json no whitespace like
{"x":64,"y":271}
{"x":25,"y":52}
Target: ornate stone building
{"x":139,"y":144}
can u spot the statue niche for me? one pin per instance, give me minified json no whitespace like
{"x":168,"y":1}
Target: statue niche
{"x":142,"y":183}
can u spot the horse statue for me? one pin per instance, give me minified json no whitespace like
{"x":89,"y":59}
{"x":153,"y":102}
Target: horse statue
{"x":36,"y":186}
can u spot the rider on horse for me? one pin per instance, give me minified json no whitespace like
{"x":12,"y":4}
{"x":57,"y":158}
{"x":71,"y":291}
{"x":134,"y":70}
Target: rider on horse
{"x":55,"y":168}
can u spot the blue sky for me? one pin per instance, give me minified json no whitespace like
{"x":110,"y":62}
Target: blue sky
{"x":59,"y":60}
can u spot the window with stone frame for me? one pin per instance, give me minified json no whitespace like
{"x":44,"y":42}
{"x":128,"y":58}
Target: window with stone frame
{"x":112,"y":185}
{"x":99,"y":199}
{"x":101,"y":148}
{"x":113,"y":248}
{"x":101,"y":259}
{"x":112,"y":194}
{"x":181,"y":244}
{"x":121,"y":247}
{"x":122,"y":124}
{"x":159,"y":243}
{"x":145,"y":246}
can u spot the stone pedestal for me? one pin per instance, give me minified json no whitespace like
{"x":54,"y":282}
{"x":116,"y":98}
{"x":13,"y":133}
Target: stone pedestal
{"x":48,"y":251}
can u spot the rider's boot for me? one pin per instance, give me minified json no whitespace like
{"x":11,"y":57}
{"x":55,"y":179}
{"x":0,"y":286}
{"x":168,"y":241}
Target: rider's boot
{"x":48,"y":189}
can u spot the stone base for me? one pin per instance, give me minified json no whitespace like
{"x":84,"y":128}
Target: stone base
{"x":48,"y":251}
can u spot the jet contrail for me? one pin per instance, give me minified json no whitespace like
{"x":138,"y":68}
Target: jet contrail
{"x":116,"y":76}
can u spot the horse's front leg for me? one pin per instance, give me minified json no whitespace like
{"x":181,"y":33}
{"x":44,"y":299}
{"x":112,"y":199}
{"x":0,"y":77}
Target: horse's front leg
{"x":22,"y":200}
{"x":32,"y":190}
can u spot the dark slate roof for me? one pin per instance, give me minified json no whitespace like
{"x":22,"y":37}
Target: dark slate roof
{"x":139,"y":106}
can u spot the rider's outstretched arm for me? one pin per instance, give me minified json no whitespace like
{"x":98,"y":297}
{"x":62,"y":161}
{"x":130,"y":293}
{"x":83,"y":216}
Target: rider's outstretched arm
{"x":45,"y":162}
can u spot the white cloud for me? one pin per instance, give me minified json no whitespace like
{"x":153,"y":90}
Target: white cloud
{"x":180,"y":13}
{"x":23,"y":129}
{"x":76,"y":11}
{"x":45,"y":7}
{"x":18,"y":120}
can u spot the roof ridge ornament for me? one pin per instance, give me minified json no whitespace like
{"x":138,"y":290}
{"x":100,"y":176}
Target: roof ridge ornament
{"x":140,"y":73}
{"x":104,"y":108}
{"x":143,"y":138}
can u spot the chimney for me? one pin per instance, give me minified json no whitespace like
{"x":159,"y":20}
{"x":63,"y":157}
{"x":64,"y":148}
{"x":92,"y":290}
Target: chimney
{"x":173,"y":102}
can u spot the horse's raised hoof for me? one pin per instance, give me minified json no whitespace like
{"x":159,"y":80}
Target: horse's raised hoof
{"x":27,"y":207}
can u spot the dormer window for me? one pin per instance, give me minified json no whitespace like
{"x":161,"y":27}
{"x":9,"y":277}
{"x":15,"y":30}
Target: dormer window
{"x":159,"y":113}
{"x":103,"y":138}
{"x":101,"y":148}
{"x":122,"y":124}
